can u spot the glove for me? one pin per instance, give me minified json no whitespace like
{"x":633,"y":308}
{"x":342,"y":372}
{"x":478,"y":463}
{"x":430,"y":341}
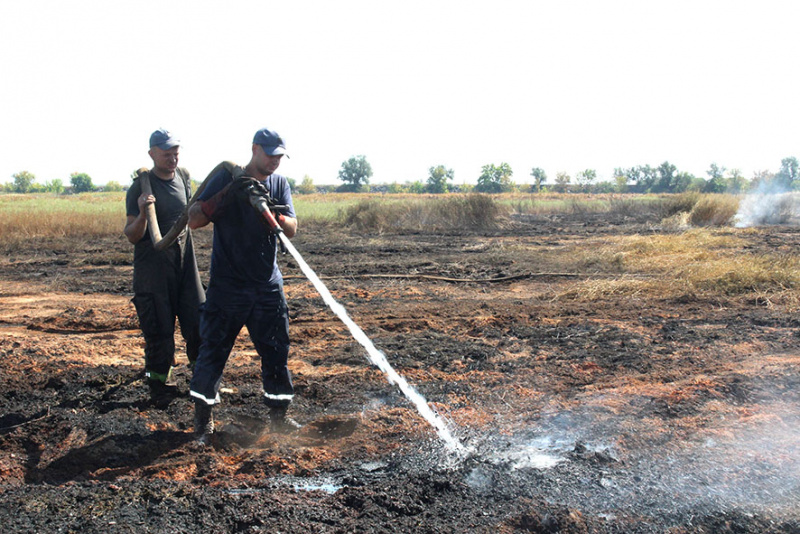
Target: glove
{"x":215,"y":207}
{"x":258,"y":196}
{"x":257,"y":190}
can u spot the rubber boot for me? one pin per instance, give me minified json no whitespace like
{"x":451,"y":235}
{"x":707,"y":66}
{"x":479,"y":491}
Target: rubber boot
{"x":203,"y":421}
{"x":162,"y":393}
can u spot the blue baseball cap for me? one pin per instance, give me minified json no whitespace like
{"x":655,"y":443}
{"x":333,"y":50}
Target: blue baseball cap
{"x":270,"y":141}
{"x":164,"y":140}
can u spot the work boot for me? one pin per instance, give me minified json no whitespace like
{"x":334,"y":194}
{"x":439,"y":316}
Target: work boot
{"x":162,"y":394}
{"x":280,"y":423}
{"x":203,"y":421}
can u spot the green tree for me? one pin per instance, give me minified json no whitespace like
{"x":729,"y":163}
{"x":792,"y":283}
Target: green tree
{"x":562,"y":182}
{"x":686,"y":181}
{"x":81,"y":182}
{"x":23,"y":181}
{"x":112,"y":186}
{"x":416,"y":187}
{"x":395,"y":188}
{"x":306,"y":186}
{"x":761,"y":179}
{"x":737,"y":183}
{"x":585,"y":179}
{"x":54,"y":186}
{"x":495,"y":179}
{"x":666,"y":176}
{"x":643,"y":178}
{"x":605,"y":187}
{"x":355,"y":173}
{"x":438,"y":178}
{"x":539,"y":177}
{"x":789,"y":174}
{"x":716,"y":182}
{"x":620,"y":180}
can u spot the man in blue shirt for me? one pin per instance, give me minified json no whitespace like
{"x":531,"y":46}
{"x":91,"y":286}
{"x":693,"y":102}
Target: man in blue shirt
{"x":245,"y":286}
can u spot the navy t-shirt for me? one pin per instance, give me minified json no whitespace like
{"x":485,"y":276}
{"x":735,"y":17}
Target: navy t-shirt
{"x":244,"y":254}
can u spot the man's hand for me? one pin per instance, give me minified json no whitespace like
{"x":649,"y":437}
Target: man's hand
{"x":144,"y":200}
{"x":257,"y":189}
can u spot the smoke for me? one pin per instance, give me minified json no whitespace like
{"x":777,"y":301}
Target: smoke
{"x":585,"y":459}
{"x":768,"y":204}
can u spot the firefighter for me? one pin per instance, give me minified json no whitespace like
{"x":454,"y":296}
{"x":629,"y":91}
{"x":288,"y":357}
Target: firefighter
{"x":245,"y":286}
{"x":166,"y":283}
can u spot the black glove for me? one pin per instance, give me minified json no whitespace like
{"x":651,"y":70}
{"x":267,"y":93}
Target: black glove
{"x":258,"y":190}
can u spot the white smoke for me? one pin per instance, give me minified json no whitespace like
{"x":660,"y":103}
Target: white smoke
{"x":768,"y":204}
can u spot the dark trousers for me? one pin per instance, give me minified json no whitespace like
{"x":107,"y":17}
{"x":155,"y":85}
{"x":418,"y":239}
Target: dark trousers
{"x":267,"y":320}
{"x":167,"y":286}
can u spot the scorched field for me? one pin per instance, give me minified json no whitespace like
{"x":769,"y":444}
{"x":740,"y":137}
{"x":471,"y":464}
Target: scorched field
{"x":604,"y":373}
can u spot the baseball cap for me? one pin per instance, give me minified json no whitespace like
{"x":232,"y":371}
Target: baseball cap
{"x":270,"y":141}
{"x":164,"y":140}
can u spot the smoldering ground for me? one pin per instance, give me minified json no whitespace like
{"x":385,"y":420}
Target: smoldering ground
{"x":630,"y":411}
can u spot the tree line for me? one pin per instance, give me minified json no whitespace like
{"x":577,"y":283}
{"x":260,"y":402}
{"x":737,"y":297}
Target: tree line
{"x":356,"y":172}
{"x":79,"y":182}
{"x":665,"y":178}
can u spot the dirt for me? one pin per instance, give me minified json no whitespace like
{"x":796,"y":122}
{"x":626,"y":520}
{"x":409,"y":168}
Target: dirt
{"x":617,"y":415}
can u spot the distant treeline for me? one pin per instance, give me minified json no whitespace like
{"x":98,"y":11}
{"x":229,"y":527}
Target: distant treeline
{"x":356,"y":173}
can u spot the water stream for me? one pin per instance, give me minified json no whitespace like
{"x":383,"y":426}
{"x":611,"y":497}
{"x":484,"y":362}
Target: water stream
{"x":376,"y":356}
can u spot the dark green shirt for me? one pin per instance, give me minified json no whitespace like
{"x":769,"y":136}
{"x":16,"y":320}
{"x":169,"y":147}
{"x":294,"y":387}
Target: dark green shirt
{"x":171,"y":198}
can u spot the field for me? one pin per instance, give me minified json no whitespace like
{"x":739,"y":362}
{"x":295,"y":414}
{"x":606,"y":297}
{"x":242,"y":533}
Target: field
{"x":608,"y":366}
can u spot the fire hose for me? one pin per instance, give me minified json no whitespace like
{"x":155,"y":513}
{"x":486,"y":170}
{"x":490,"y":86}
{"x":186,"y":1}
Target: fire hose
{"x":159,"y":242}
{"x":263,"y":203}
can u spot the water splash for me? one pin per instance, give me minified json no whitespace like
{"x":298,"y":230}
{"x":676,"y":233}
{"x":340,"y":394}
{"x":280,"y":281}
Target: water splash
{"x":376,"y":356}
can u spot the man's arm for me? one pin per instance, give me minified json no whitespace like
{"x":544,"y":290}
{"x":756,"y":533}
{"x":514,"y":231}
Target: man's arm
{"x":213,"y":201}
{"x":136,"y":225}
{"x":197,"y":219}
{"x":289,"y":225}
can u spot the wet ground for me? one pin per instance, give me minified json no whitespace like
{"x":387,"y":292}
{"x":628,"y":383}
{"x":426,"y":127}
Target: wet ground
{"x":617,"y":414}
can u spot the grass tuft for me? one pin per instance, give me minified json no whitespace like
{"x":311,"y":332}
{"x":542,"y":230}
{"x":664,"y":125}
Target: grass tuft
{"x":424,"y":214}
{"x":714,"y":210}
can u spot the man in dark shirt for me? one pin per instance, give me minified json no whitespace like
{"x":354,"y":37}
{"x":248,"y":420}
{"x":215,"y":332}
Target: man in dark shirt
{"x":246,"y":286}
{"x":166,"y":283}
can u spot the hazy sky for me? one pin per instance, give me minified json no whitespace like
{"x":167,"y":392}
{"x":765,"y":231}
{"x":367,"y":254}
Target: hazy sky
{"x":565,"y":86}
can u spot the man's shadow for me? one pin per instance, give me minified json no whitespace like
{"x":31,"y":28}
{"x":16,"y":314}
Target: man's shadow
{"x":108,"y":458}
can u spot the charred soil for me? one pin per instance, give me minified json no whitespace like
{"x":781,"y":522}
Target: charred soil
{"x":615,"y":414}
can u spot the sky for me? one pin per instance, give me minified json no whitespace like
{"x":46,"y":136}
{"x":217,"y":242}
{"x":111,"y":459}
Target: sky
{"x":565,"y":86}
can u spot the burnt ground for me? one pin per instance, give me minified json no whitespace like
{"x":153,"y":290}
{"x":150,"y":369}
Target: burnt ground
{"x":617,"y":414}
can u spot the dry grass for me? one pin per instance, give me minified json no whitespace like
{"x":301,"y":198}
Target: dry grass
{"x":554,"y":203}
{"x":26,"y":218}
{"x":696,"y":264}
{"x":714,"y":210}
{"x":424,"y":213}
{"x":697,"y":210}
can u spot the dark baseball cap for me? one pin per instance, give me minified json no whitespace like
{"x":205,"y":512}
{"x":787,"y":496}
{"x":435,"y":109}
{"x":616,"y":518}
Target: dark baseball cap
{"x":270,"y":141}
{"x":164,"y":140}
